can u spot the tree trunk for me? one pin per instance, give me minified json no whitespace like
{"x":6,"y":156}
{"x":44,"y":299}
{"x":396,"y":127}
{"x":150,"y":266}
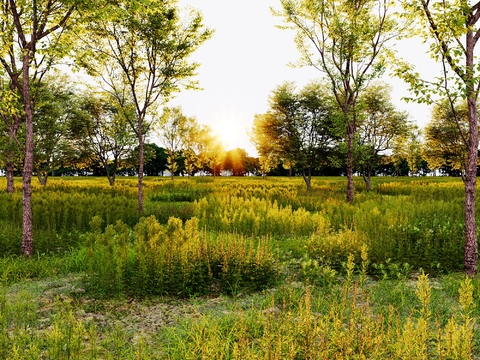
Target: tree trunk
{"x":9,"y":172}
{"x":111,"y":178}
{"x":140,"y":167}
{"x":367,"y":177}
{"x":27,"y":231}
{"x":350,"y":135}
{"x":471,"y":244}
{"x":308,"y":179}
{"x":42,"y":178}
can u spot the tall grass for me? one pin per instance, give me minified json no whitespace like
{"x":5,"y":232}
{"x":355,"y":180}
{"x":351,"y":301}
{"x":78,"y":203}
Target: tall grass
{"x":294,"y":321}
{"x":176,"y":259}
{"x":295,"y":262}
{"x":413,"y":221}
{"x":343,"y":324}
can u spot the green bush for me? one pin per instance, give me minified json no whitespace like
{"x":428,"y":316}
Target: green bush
{"x":175,"y":259}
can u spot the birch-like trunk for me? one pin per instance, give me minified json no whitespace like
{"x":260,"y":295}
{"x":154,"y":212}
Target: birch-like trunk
{"x":350,"y":188}
{"x":27,"y":224}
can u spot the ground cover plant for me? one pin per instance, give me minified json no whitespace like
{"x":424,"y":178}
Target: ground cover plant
{"x":239,"y":268}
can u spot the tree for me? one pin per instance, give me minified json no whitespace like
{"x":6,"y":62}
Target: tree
{"x":267,"y":163}
{"x":34,"y":36}
{"x":106,"y":131}
{"x":172,"y":130}
{"x":155,"y":164}
{"x":402,"y":147}
{"x":139,"y":52}
{"x":235,"y":162}
{"x":378,"y":126}
{"x":298,"y":128}
{"x":213,"y":155}
{"x":197,"y":141}
{"x":451,"y":29}
{"x":53,"y":112}
{"x":414,"y":152}
{"x":288,"y":164}
{"x":252,"y":165}
{"x":443,"y":145}
{"x":189,"y":151}
{"x":264,"y":136}
{"x":350,"y":39}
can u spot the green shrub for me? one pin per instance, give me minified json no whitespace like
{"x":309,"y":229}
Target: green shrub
{"x":175,"y":259}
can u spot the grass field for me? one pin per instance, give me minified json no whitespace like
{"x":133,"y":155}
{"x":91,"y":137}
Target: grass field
{"x":238,"y":268}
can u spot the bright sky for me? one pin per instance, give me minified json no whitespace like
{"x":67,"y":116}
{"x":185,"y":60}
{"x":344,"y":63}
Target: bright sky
{"x":243,"y":62}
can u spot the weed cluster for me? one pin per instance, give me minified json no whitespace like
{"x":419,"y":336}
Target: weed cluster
{"x":175,"y":259}
{"x":228,"y":236}
{"x":342,"y":324}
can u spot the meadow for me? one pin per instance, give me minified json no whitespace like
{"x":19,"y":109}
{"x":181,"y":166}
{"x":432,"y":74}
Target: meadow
{"x":238,"y":268}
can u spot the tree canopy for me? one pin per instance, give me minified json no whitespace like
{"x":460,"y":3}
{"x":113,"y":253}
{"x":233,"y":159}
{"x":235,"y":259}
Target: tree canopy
{"x":139,"y":52}
{"x":444,"y":144}
{"x":298,"y":128}
{"x":346,"y":41}
{"x":451,"y":29}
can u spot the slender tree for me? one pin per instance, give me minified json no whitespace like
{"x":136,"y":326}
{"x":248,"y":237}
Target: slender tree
{"x":12,"y":138}
{"x":267,"y":163}
{"x":345,"y":40}
{"x":106,"y":131}
{"x":451,"y":28}
{"x":139,"y":52}
{"x":173,"y":129}
{"x":54,"y":109}
{"x":380,"y":123}
{"x":213,"y":155}
{"x":33,"y":37}
{"x":414,"y":151}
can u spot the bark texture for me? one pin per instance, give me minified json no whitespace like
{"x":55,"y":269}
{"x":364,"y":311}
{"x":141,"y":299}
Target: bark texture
{"x":350,"y":188}
{"x":27,"y":232}
{"x":140,"y":169}
{"x":9,"y":172}
{"x":471,"y":243}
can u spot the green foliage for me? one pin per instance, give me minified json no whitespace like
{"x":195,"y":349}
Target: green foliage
{"x":413,"y":221}
{"x":102,"y":131}
{"x":346,"y":272}
{"x":15,"y":268}
{"x":346,"y":323}
{"x":451,"y":29}
{"x":446,"y":137}
{"x":255,"y":217}
{"x":299,"y":128}
{"x":347,"y":42}
{"x":174,"y":259}
{"x":380,"y":126}
{"x":63,"y":210}
{"x":174,"y":127}
{"x":347,"y":319}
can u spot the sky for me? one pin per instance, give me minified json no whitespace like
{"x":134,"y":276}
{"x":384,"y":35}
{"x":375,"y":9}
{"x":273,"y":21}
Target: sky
{"x":245,"y":60}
